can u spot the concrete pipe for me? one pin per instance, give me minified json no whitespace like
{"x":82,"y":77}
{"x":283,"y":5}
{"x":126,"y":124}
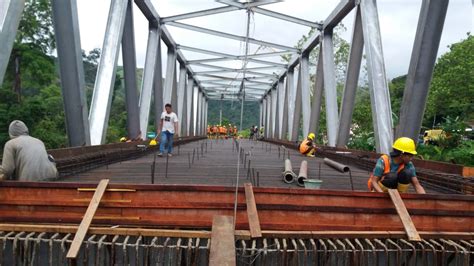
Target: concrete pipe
{"x":288,"y":176}
{"x":303,"y":173}
{"x":338,"y":166}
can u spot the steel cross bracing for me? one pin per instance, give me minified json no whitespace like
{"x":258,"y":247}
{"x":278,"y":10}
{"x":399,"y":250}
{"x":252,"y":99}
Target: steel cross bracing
{"x":283,"y":102}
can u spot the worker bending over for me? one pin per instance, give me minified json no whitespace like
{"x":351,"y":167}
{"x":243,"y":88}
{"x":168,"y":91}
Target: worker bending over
{"x":396,"y":171}
{"x":24,"y":157}
{"x":307,"y":147}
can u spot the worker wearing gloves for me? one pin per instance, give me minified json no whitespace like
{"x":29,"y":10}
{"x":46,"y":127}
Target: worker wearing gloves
{"x":306,"y":147}
{"x":25,"y":158}
{"x":396,"y":171}
{"x":168,"y":128}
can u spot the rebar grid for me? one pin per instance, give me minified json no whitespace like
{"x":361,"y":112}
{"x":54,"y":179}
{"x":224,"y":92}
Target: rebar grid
{"x":41,"y":248}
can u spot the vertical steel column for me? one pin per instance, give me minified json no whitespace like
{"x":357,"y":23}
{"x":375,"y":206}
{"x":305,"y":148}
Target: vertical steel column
{"x":297,"y":110}
{"x":423,"y":58}
{"x":317,"y":95}
{"x":185,"y":117}
{"x":180,"y":95}
{"x":290,"y":83}
{"x":380,"y":97}
{"x":329,"y":71}
{"x":170,"y":74}
{"x":284,"y":116}
{"x":66,"y":28}
{"x":190,"y":104}
{"x":305,"y":95}
{"x":264,"y":116}
{"x":105,"y":79}
{"x":274,"y":111}
{"x":158,"y":86}
{"x":10,"y":16}
{"x":203,"y":110}
{"x":149,"y":79}
{"x":279,"y":113}
{"x":174,"y":92}
{"x":352,"y":79}
{"x":205,"y":117}
{"x":261,"y":114}
{"x":199,"y":115}
{"x":130,"y":74}
{"x":269,"y":116}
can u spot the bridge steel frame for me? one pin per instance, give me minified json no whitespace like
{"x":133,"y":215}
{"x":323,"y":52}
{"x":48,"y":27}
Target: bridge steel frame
{"x":283,"y":106}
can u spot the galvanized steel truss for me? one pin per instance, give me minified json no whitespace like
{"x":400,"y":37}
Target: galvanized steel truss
{"x":283,"y":105}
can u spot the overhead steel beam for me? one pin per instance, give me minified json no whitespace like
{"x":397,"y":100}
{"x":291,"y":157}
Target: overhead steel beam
{"x":200,"y":13}
{"x":71,"y":69}
{"x":352,"y":79}
{"x":248,"y":4}
{"x":10,"y":17}
{"x":380,"y":96}
{"x":146,"y":7}
{"x":242,"y":70}
{"x":423,"y":58}
{"x":339,"y":13}
{"x":230,"y":36}
{"x":105,"y":79}
{"x":148,"y":80}
{"x":130,"y":75}
{"x":317,"y":96}
{"x":287,"y":18}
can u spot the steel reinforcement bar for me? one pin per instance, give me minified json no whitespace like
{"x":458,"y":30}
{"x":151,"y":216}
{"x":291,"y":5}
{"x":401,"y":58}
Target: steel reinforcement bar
{"x":44,"y":248}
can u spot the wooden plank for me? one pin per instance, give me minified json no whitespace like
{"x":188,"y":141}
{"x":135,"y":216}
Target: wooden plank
{"x":222,"y":242}
{"x":402,"y":211}
{"x":87,"y":220}
{"x":252,"y":214}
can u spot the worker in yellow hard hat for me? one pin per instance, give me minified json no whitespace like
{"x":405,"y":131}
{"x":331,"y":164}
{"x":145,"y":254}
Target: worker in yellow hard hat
{"x":396,"y":171}
{"x":307,"y":147}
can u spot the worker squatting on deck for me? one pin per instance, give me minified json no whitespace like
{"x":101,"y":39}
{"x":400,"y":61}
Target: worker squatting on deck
{"x":307,"y":147}
{"x":24,"y":157}
{"x":396,"y":171}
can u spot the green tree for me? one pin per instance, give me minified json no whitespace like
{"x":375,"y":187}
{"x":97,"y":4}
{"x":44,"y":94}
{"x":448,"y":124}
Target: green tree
{"x":452,"y":86}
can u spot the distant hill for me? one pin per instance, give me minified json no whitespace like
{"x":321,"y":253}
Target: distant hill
{"x":231,"y":113}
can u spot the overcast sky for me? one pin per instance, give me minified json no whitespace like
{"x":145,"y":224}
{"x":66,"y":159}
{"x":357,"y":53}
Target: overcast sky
{"x":398,"y":21}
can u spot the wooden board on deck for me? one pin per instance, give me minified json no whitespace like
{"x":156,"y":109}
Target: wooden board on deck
{"x":222,"y":242}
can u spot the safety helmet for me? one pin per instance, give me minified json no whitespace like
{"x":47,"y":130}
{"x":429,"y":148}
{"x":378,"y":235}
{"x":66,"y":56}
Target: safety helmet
{"x":123,"y":139}
{"x":405,"y":144}
{"x":153,"y":142}
{"x":311,"y":136}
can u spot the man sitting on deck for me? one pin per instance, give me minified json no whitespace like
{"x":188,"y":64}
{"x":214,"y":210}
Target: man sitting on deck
{"x":24,"y":157}
{"x":307,"y":147}
{"x":396,"y":171}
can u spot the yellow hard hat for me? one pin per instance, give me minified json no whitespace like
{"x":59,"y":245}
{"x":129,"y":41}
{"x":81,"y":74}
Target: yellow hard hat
{"x":123,"y":139}
{"x":405,"y":144}
{"x":153,"y":142}
{"x":311,"y":136}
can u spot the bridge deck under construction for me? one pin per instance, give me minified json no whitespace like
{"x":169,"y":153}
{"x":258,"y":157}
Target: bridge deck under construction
{"x":215,"y":162}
